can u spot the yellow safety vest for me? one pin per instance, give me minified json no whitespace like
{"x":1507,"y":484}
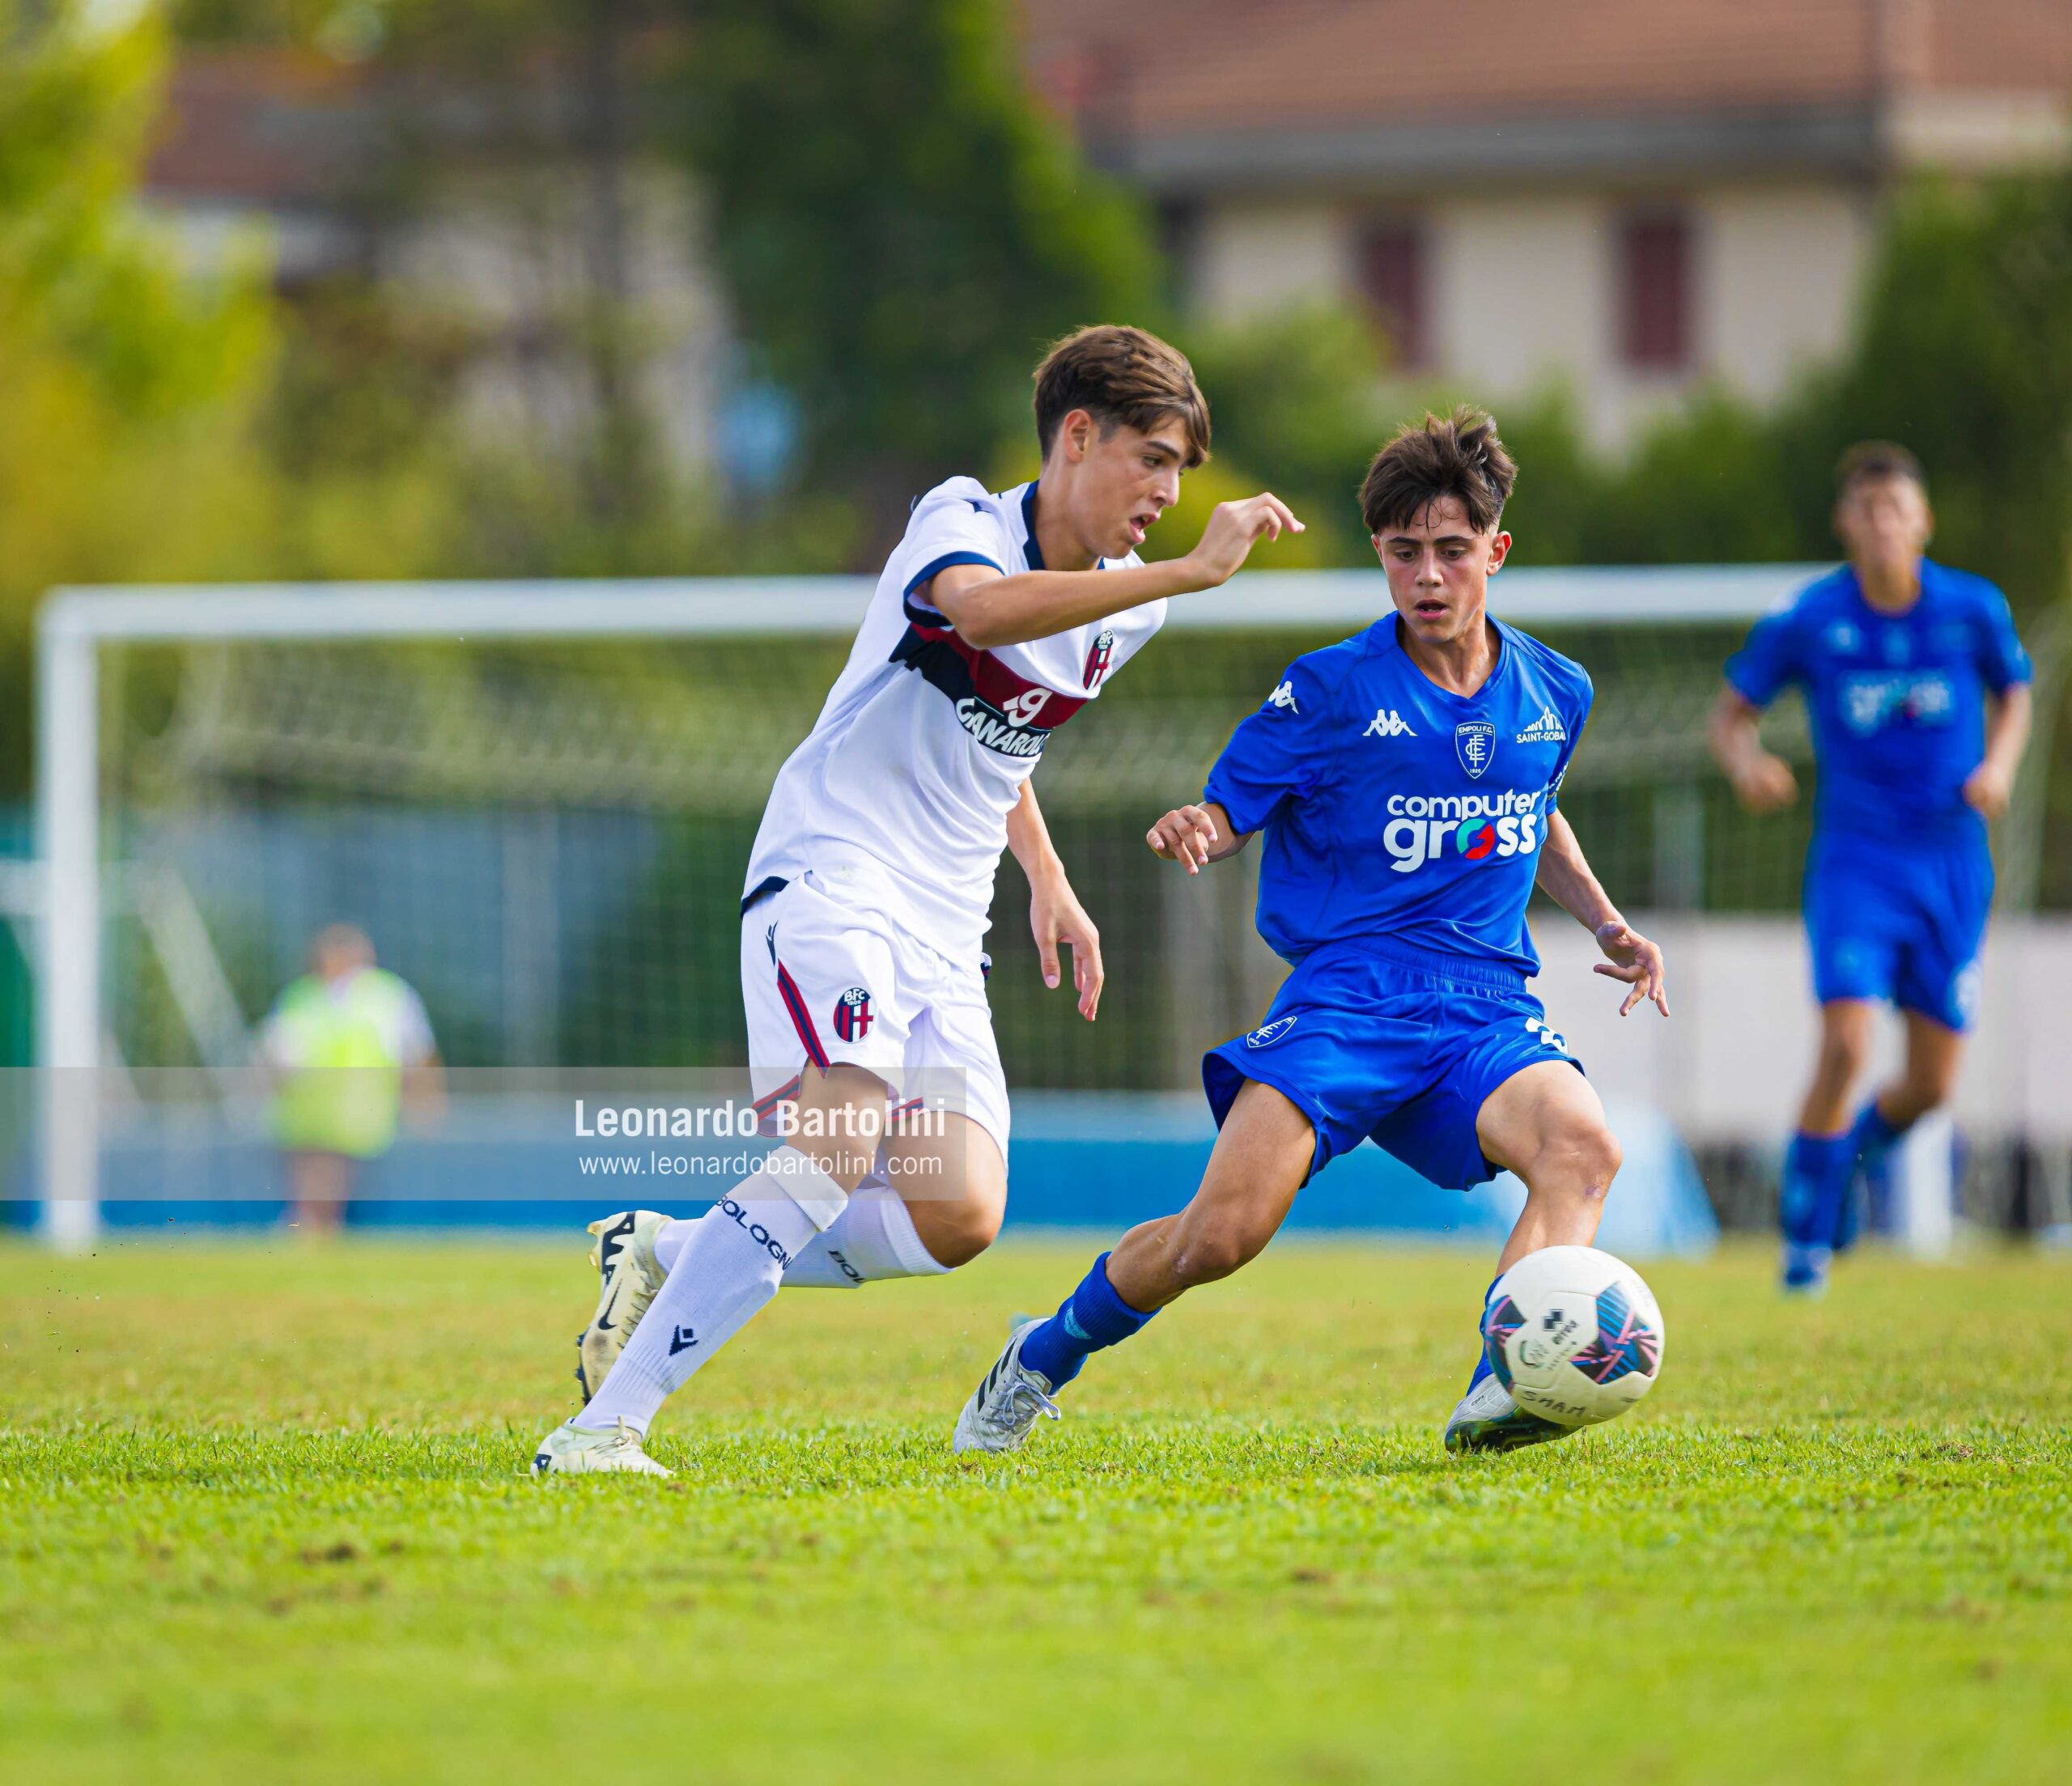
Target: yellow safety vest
{"x":341,"y":1091}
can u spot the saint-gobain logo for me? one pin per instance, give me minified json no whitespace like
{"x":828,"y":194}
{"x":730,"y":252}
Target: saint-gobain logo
{"x":1269,"y":1034}
{"x":1475,"y":741}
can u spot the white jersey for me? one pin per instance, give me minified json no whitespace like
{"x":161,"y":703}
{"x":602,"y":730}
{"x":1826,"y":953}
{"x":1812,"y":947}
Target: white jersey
{"x":899,"y":796}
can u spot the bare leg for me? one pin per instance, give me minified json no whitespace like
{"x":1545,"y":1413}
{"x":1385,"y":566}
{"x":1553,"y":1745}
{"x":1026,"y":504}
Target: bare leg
{"x":1934,"y":1053}
{"x":954,"y":1186}
{"x":1261,"y":1158}
{"x":1844,"y":1049}
{"x":318,"y":1185}
{"x":1545,"y":1123}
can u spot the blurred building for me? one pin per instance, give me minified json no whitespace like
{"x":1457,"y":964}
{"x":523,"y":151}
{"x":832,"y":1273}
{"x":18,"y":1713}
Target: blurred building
{"x":515,"y":223}
{"x":1634,"y":196}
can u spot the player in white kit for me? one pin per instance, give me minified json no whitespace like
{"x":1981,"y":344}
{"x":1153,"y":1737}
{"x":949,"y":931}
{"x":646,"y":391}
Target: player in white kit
{"x":864,"y":917}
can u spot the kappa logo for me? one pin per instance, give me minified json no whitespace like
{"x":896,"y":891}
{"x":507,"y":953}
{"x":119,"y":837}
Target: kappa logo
{"x":1284,"y":697}
{"x":1547,"y":729}
{"x":1388,"y":723}
{"x":1475,"y":740}
{"x":1267,"y":1034}
{"x":852,"y":1014}
{"x":1546,"y":1033}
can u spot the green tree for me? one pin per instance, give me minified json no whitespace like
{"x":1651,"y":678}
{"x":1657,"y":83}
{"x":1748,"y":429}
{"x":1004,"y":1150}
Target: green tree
{"x":124,"y":378}
{"x":901,"y":230}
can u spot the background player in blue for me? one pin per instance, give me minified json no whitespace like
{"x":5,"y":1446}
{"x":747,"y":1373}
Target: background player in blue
{"x":1918,"y":691}
{"x":1405,"y":780}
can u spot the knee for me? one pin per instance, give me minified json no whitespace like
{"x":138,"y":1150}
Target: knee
{"x":1843,"y":1054}
{"x":1580,"y":1158}
{"x":1212,"y":1251}
{"x":956,"y":1229}
{"x":962,"y":1235}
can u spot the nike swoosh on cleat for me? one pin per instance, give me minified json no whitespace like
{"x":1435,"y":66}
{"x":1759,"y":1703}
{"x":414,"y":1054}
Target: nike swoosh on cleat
{"x":604,"y":1323}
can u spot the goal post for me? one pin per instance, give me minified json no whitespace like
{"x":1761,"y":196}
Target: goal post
{"x":540,"y":705}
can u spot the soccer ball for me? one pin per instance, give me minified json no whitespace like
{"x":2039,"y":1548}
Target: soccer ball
{"x":1573,"y":1334}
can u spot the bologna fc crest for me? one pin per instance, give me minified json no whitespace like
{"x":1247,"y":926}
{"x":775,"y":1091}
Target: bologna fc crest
{"x":1476,"y":741}
{"x":852,"y":1014}
{"x":1097,"y":655}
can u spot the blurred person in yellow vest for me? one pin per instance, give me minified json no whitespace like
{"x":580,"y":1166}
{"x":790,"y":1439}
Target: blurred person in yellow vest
{"x":345,"y":1047}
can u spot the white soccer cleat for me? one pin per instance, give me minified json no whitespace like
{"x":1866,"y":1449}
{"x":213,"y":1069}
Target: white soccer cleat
{"x":623,"y":1256}
{"x":1003,"y":1409}
{"x":1489,"y":1418}
{"x":581,"y":1451}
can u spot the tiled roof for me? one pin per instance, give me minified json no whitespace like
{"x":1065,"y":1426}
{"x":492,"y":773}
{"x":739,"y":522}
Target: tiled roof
{"x":262,"y":126}
{"x":1237,"y":66}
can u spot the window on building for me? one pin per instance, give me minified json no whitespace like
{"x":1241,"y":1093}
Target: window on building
{"x":1655,"y":292}
{"x":1392,"y":278}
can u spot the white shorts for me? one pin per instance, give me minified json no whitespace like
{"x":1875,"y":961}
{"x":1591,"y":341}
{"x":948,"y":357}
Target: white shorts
{"x":825,"y":980}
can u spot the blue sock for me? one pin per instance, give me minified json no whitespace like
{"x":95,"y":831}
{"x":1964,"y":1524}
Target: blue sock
{"x":1090,"y":1320}
{"x":1873,"y":1136}
{"x":1817,"y":1170}
{"x":1871,"y":1141}
{"x":1482,"y":1366}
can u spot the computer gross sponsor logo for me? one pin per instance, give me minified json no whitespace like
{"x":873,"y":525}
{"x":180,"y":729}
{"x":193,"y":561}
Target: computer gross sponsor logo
{"x":1425,"y":828}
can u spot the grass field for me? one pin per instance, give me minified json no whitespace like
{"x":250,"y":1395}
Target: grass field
{"x":261,"y":1519}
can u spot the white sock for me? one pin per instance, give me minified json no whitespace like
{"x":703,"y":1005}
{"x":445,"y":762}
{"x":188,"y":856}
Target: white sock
{"x":873,"y":1238}
{"x":734,"y":1257}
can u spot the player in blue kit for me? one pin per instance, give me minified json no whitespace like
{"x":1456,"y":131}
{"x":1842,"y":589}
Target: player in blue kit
{"x":1405,"y":780}
{"x":1917,"y":690}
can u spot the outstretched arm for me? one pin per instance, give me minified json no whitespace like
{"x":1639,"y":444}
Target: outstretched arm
{"x":1195,"y":835}
{"x":1567,"y":880}
{"x":1055,"y":914}
{"x":989,"y":609}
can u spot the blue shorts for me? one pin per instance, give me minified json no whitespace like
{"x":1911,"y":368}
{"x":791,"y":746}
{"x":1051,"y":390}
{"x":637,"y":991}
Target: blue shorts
{"x":1906,"y":926}
{"x":1376,"y":1040}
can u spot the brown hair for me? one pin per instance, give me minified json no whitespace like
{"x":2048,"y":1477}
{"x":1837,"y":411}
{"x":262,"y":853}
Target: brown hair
{"x":1458,"y":455}
{"x":1119,"y":373}
{"x":1871,"y":461}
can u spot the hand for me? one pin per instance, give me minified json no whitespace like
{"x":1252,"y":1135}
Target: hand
{"x":1990,"y":788}
{"x":1764,"y":783}
{"x":1056,"y":916}
{"x":1186,"y":835}
{"x":1233,"y":529}
{"x":1635,"y":960}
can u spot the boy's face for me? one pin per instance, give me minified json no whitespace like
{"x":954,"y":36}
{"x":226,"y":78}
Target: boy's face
{"x":1118,"y":482}
{"x":1438,"y":570}
{"x":1884,"y":524}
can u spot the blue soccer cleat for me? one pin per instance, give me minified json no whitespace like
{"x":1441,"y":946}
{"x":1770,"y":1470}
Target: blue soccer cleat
{"x":1805,"y":1269}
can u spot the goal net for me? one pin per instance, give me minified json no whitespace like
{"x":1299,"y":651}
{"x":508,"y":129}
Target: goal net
{"x":538,"y":801}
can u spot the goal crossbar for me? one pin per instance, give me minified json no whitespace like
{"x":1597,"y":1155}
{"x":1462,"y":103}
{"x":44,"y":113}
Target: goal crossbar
{"x":73,"y":624}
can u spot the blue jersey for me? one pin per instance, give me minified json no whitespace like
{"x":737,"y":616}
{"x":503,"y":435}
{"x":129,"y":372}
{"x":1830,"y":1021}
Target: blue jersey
{"x":1394,"y":808}
{"x":1897,"y":701}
